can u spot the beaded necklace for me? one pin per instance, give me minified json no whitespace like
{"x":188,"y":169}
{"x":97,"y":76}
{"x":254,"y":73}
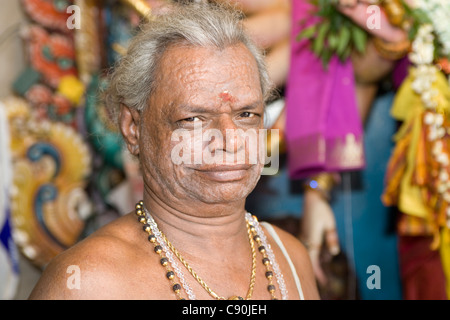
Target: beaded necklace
{"x":168,"y":252}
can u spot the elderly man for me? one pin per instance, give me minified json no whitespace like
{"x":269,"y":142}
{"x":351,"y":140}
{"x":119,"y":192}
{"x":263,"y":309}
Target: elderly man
{"x":191,"y":69}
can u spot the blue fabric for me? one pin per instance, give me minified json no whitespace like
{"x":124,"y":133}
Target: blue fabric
{"x":374,"y":237}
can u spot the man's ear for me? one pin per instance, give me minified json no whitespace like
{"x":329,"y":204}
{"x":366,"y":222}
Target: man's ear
{"x":129,"y":120}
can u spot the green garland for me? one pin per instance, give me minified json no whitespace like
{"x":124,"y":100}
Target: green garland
{"x":334,"y":34}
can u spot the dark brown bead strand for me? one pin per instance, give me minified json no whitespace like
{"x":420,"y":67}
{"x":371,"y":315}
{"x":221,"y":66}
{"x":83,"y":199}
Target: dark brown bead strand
{"x":158,"y":249}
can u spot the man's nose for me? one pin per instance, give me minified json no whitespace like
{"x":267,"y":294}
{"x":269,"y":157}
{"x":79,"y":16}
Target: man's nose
{"x":231,"y":140}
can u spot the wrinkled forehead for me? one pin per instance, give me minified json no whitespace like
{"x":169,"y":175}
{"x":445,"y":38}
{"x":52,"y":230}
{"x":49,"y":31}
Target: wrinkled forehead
{"x":199,"y":74}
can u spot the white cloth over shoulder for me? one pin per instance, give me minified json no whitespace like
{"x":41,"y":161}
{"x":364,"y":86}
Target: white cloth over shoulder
{"x":277,"y":239}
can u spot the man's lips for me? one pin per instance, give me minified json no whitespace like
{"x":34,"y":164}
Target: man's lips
{"x":230,"y":167}
{"x":225,"y":173}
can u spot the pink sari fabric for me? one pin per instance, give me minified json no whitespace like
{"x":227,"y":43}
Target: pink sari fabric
{"x":323,"y":128}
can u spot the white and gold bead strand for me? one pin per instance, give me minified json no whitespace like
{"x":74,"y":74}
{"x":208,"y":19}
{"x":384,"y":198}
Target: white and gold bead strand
{"x":268,"y":250}
{"x":168,"y":253}
{"x":266,"y":262}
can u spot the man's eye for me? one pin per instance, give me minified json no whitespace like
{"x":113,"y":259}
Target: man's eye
{"x":192,"y":119}
{"x":247,"y":114}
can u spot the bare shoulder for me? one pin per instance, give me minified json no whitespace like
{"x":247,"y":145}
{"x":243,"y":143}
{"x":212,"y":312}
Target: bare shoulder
{"x":98,"y":267}
{"x":300,"y":258}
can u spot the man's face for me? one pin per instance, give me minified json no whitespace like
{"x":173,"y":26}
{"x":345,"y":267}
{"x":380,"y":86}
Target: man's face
{"x":203,"y":95}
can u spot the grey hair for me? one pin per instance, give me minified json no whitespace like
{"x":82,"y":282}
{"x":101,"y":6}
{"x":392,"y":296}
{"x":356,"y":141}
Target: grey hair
{"x":196,"y":24}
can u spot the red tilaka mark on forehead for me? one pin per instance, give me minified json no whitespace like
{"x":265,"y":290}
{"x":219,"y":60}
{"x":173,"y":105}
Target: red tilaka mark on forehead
{"x":226,"y":97}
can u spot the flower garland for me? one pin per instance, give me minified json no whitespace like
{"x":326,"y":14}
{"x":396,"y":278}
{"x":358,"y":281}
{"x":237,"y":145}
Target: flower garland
{"x":423,"y":56}
{"x":418,"y":172}
{"x":333,"y":35}
{"x":438,"y":12}
{"x":425,"y":76}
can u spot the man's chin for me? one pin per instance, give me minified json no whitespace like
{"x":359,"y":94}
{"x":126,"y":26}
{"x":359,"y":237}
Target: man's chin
{"x":226,"y":192}
{"x":223,"y":198}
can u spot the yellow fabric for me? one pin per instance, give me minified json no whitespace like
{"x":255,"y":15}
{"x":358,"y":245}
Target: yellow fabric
{"x":445,"y":257}
{"x":408,"y":107}
{"x":406,"y":100}
{"x":410,"y":198}
{"x":415,"y":196}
